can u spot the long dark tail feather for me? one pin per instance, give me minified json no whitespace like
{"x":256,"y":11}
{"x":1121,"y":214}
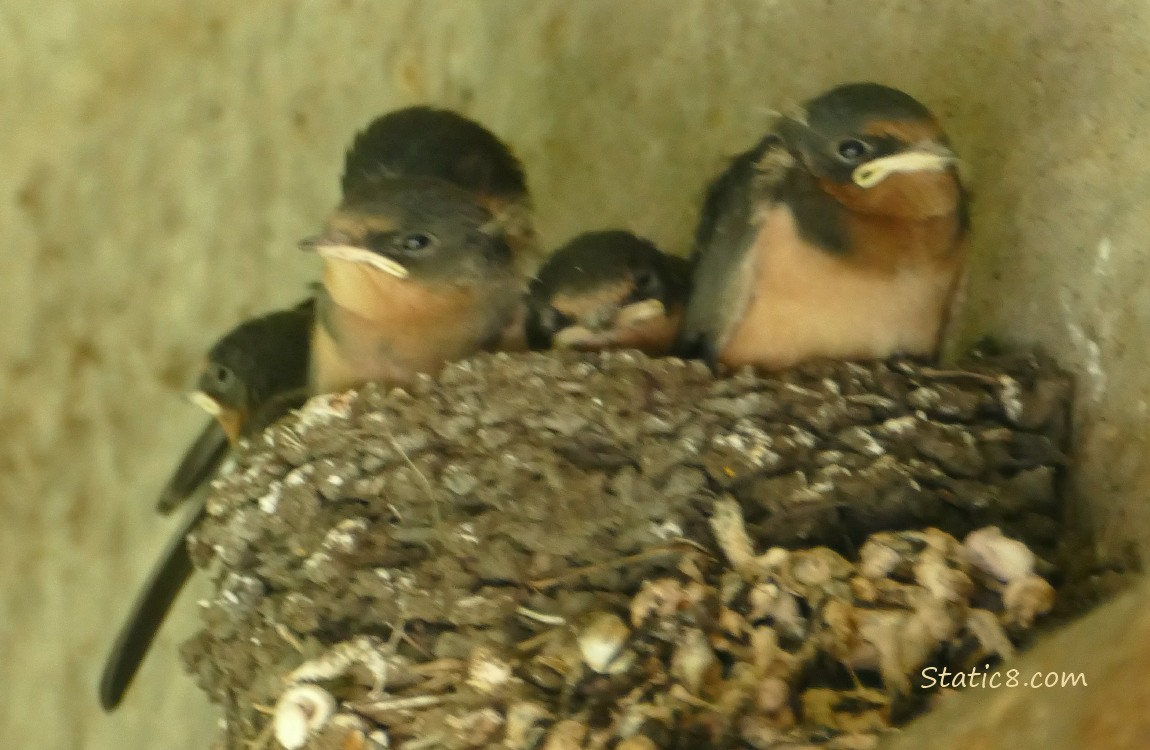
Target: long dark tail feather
{"x":196,"y":468}
{"x":148,"y":612}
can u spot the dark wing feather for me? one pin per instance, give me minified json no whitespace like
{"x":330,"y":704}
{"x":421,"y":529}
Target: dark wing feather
{"x":723,"y":236}
{"x":196,"y":468}
{"x":275,"y":408}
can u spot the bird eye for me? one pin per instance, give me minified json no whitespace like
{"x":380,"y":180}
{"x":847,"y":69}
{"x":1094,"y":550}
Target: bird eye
{"x":852,"y":149}
{"x":415,"y":242}
{"x":647,"y":285}
{"x":553,"y":321}
{"x":223,"y":376}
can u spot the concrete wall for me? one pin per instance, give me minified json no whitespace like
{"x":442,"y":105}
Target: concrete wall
{"x":159,"y":160}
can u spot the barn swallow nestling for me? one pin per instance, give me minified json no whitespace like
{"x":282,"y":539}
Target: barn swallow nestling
{"x":258,"y":371}
{"x":252,"y":377}
{"x":429,"y":142}
{"x":417,"y":273}
{"x":608,"y":290}
{"x":840,"y":234}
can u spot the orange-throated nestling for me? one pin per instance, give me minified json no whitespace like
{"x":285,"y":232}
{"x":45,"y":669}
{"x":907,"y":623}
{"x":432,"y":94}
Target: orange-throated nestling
{"x":424,"y":141}
{"x":840,"y":234}
{"x":252,"y":376}
{"x":608,"y":290}
{"x":417,"y":273}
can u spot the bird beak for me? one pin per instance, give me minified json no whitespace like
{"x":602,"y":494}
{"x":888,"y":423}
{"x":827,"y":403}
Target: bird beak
{"x":638,"y":313}
{"x":232,"y":420}
{"x":577,"y":337}
{"x":205,"y":402}
{"x":922,"y":157}
{"x":330,"y":249}
{"x":311,"y":244}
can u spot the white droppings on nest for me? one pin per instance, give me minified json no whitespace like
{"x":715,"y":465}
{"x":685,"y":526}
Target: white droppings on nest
{"x":366,"y":651}
{"x":689,"y":444}
{"x":345,"y":536}
{"x":895,"y":641}
{"x":602,"y":641}
{"x":236,"y":585}
{"x":756,"y":447}
{"x":299,"y":476}
{"x":934,"y":572}
{"x":834,"y":472}
{"x":270,"y":500}
{"x":315,"y":566}
{"x":567,"y":734}
{"x":253,"y":472}
{"x":472,"y":602}
{"x":811,"y":492}
{"x":803,"y":438}
{"x":403,"y":581}
{"x":662,"y":598}
{"x":885,"y":551}
{"x":864,"y":442}
{"x":402,"y":704}
{"x":816,"y":567}
{"x":287,"y":435}
{"x":798,"y":390}
{"x":1025,"y":599}
{"x":832,"y":387}
{"x":730,"y":532}
{"x":1010,"y":396}
{"x":524,"y":720}
{"x":227,"y":468}
{"x":984,"y":626}
{"x":477,"y":728}
{"x":487,"y":671}
{"x":693,"y":662}
{"x":510,"y":460}
{"x":871,"y":618}
{"x":325,"y":409}
{"x":547,"y":619}
{"x":900,"y":425}
{"x":300,"y":712}
{"x":465,"y":532}
{"x":997,"y":555}
{"x":666,"y":530}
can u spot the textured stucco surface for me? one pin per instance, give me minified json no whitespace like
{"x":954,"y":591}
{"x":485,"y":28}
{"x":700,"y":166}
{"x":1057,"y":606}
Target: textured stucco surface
{"x":161,"y":159}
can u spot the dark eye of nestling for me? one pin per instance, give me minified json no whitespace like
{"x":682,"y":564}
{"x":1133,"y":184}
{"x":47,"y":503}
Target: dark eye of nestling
{"x":414,"y":242}
{"x":223,"y":376}
{"x":647,"y":285}
{"x":553,"y":321}
{"x":852,"y":149}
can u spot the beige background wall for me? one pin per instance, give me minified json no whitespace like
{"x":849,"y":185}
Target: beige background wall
{"x":159,"y":160}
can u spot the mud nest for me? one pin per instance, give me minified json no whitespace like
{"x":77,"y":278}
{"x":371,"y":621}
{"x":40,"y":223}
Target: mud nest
{"x":564,"y":551}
